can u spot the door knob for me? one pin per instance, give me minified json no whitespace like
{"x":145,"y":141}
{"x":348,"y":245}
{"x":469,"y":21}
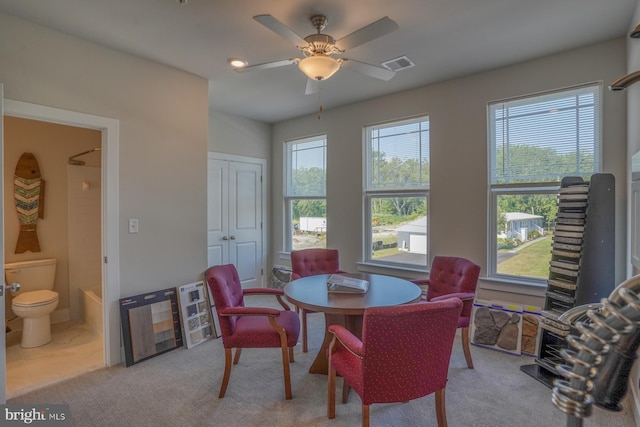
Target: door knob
{"x":15,"y":286}
{"x":225,"y":238}
{"x":233,"y":237}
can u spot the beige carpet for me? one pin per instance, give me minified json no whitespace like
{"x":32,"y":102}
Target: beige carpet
{"x":180,"y":388}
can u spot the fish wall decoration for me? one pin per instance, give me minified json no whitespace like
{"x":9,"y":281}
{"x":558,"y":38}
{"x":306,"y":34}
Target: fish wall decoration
{"x":28,"y":188}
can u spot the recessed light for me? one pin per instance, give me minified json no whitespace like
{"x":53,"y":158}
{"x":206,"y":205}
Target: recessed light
{"x":237,"y":62}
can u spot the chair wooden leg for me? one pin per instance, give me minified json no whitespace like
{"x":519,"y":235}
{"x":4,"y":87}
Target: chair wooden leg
{"x":466,"y":347}
{"x":285,"y":357}
{"x":227,"y":372}
{"x":304,"y":331}
{"x":345,"y":391}
{"x":365,"y":415}
{"x":331,"y":394}
{"x":237,"y":357}
{"x":441,"y":409}
{"x":291,"y":359}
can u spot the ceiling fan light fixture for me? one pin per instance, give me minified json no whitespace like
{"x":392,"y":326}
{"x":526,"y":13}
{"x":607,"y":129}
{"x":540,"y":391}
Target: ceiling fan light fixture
{"x":319,"y":67}
{"x":237,"y":62}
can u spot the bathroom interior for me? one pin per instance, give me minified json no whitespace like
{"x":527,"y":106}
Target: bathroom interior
{"x":70,"y":241}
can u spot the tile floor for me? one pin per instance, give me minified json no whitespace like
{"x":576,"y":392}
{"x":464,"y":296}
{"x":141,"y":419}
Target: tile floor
{"x":76,"y":348}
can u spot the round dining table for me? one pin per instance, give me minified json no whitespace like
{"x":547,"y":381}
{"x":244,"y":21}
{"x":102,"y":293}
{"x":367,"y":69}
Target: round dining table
{"x":347,"y":309}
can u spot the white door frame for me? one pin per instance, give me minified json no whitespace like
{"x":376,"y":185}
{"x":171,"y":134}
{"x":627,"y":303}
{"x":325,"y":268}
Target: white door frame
{"x":265,"y":219}
{"x":3,"y":337}
{"x":110,"y":238}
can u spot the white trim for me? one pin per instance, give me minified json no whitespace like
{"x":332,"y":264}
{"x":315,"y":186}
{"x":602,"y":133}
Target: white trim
{"x":110,"y":239}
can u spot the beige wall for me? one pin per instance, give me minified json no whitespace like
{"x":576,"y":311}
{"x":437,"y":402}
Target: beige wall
{"x":51,"y":144}
{"x":163,"y":127}
{"x":238,"y":135}
{"x":457,"y":114}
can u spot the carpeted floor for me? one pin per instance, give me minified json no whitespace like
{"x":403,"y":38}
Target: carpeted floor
{"x":180,"y":388}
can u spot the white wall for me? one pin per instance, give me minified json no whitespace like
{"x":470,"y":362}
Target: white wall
{"x":457,"y":115}
{"x":162,"y":115}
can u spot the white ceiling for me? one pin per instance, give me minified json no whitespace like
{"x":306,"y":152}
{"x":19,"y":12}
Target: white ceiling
{"x":445,"y":39}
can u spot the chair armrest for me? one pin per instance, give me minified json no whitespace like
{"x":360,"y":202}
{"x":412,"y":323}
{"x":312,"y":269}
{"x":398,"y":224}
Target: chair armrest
{"x":348,"y":340}
{"x":248,"y":311}
{"x":262,"y":291}
{"x":295,"y":276}
{"x":464,"y":296}
{"x":267,"y":291}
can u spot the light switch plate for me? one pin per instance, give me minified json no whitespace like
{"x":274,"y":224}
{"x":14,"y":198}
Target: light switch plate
{"x":133,"y":225}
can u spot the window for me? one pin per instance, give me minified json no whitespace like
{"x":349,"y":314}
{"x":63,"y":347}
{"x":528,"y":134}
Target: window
{"x":533,"y":143}
{"x":396,"y":193}
{"x":305,"y":193}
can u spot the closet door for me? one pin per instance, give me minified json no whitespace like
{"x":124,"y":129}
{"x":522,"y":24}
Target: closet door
{"x":245,"y":222}
{"x":235,"y":217}
{"x":217,"y":212}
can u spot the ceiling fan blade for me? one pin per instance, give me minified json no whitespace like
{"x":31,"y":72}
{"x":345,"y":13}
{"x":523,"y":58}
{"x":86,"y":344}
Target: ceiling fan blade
{"x":313,"y":87}
{"x":368,"y":69}
{"x":279,"y":28}
{"x":266,"y":65}
{"x":372,"y":31}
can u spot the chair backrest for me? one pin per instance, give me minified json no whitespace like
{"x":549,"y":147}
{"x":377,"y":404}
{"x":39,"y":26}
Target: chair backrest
{"x":407,"y":349}
{"x":226,"y":290}
{"x":452,"y":274}
{"x":311,"y":262}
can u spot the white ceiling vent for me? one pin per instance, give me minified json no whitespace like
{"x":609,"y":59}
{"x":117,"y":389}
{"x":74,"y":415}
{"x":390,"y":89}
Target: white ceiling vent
{"x":398,"y":64}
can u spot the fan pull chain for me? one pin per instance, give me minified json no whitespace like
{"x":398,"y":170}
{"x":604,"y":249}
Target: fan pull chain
{"x":319,"y":101}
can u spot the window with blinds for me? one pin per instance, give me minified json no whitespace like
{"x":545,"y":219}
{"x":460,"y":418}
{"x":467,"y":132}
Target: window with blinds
{"x":305,"y":172}
{"x":398,"y":155}
{"x":534,"y":142}
{"x":396,"y":193}
{"x":546,"y":137}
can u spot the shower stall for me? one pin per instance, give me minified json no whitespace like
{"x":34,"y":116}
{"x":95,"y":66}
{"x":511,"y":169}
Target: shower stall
{"x":84,"y":190}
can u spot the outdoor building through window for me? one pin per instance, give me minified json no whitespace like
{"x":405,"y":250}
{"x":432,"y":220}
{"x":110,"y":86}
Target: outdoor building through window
{"x":305,"y":193}
{"x":534,"y":142}
{"x":396,"y":193}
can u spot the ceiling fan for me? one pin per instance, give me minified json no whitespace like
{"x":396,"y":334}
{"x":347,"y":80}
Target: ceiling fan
{"x":319,"y":61}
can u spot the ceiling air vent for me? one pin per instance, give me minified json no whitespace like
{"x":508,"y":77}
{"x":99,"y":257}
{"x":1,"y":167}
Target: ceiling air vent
{"x":398,"y":64}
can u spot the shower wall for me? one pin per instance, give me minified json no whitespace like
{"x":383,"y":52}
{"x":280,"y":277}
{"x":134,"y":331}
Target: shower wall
{"x":52,"y":144}
{"x":85,"y":249}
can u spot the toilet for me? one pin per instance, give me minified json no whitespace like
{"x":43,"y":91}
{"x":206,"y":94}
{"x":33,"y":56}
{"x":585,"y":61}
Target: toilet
{"x":35,"y":300}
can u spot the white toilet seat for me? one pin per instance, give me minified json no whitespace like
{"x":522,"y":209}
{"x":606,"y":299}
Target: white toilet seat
{"x":35,"y":298}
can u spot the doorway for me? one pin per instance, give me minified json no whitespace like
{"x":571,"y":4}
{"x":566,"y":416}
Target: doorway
{"x":110,"y":285}
{"x":67,"y":231}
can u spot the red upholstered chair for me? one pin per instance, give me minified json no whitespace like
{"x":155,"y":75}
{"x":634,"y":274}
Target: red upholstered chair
{"x":454,"y":276}
{"x":311,"y":262}
{"x":403,"y":355}
{"x":251,"y":327}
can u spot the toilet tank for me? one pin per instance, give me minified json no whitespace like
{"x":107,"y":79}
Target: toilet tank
{"x":32,"y":275}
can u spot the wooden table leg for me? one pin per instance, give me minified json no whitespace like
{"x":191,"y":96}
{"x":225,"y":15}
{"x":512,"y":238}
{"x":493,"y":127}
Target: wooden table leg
{"x":353,"y":323}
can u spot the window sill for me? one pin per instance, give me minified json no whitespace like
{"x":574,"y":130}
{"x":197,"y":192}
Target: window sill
{"x":513,"y":286}
{"x":393,"y":270}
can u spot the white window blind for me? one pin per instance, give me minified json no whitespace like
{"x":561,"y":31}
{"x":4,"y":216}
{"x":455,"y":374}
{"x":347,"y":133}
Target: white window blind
{"x":544,"y":138}
{"x":398,"y":155}
{"x":307,"y":167}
